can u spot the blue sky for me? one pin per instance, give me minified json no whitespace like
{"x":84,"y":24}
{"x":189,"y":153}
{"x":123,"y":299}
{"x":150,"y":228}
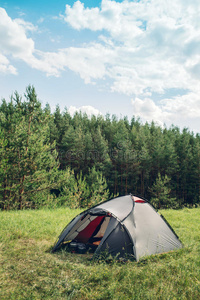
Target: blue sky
{"x":127,"y":58}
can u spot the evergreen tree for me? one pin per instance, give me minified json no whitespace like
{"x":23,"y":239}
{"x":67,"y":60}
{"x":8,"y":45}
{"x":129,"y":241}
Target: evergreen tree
{"x":77,"y":161}
{"x":97,"y":187}
{"x":160,"y":192}
{"x":100,"y":151}
{"x":31,"y":158}
{"x":144,"y":159}
{"x":3,"y":170}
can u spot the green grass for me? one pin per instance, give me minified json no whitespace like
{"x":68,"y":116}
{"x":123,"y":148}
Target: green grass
{"x":29,"y":271}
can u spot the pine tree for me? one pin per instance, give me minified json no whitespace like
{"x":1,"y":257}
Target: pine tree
{"x":32,"y":160}
{"x":97,"y":186}
{"x":160,"y":192}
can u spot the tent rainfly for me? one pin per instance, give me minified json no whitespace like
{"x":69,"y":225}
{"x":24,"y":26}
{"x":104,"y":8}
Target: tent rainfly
{"x":126,"y":226}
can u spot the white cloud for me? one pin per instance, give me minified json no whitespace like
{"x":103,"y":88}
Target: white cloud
{"x":89,"y":110}
{"x":13,"y":37}
{"x":183,"y":110}
{"x":27,"y":26}
{"x":155,"y":48}
{"x":87,"y":61}
{"x":16,"y":45}
{"x":143,"y":48}
{"x":148,"y":41}
{"x":147,"y":110}
{"x":187,"y":106}
{"x":5,"y":66}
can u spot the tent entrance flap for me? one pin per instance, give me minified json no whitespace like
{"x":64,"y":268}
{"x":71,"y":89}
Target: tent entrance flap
{"x":90,"y":230}
{"x":117,"y":243}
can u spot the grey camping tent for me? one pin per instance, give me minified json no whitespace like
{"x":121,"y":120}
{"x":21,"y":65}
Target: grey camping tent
{"x":126,"y":226}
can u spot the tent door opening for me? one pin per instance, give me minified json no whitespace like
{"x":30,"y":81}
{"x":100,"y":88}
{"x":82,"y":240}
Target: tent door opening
{"x":89,"y":234}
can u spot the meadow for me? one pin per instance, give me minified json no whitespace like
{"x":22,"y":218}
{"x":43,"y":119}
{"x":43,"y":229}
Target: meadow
{"x":28,"y":269}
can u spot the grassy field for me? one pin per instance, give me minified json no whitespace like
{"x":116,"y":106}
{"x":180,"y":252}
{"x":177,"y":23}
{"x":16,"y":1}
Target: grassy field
{"x":29,"y":271}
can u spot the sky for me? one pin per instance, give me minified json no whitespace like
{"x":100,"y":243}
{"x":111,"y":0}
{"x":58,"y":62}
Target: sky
{"x":128,"y":58}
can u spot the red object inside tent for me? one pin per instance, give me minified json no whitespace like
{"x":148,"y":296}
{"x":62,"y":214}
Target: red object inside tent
{"x":88,"y":231}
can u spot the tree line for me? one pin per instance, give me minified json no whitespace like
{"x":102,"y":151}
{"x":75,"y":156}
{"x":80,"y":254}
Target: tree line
{"x":55,"y":159}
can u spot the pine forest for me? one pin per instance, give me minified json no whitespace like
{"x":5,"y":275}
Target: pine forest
{"x":54,"y":159}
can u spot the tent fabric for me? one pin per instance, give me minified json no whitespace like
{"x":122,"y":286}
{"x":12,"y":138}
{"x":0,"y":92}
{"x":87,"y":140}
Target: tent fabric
{"x":123,"y":226}
{"x":152,"y":234}
{"x":119,"y":207}
{"x":118,"y":243}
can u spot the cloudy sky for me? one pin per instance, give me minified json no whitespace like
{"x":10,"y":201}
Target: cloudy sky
{"x":127,"y":58}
